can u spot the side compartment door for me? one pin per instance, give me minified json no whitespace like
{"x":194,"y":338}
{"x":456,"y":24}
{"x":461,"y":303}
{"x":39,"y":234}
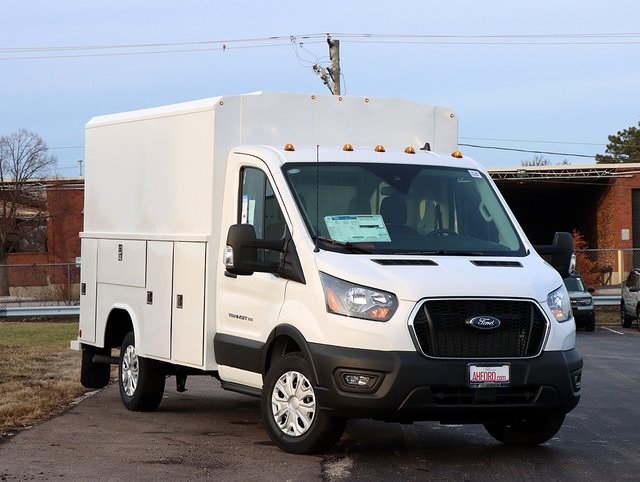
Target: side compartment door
{"x":187,"y":330}
{"x":88,"y":287}
{"x":156,"y":330}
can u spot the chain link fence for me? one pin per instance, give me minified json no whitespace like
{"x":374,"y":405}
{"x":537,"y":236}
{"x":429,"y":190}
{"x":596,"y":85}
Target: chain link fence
{"x":606,"y":269}
{"x":39,"y":285}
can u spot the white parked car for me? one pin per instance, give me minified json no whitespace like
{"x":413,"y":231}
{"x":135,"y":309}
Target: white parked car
{"x":630,"y":301}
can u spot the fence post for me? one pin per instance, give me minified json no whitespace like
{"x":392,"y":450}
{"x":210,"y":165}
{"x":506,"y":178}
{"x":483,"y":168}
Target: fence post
{"x":68,"y":285}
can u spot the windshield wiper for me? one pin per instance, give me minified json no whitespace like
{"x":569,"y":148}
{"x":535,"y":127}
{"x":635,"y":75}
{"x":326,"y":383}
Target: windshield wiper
{"x":344,"y":244}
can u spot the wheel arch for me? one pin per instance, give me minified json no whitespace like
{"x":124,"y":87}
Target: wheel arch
{"x":286,"y":339}
{"x":119,"y":322}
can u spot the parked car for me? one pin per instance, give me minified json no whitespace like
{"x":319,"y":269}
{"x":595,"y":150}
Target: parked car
{"x":630,"y":299}
{"x":581,"y":302}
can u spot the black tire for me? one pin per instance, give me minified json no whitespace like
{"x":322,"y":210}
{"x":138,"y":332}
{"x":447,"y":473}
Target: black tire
{"x":590,"y":325}
{"x":290,"y":410}
{"x":141,"y":380}
{"x":625,"y":320}
{"x":530,"y":431}
{"x":94,"y":375}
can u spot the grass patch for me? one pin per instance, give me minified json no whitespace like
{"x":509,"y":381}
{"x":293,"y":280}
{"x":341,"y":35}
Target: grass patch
{"x":607,"y":315}
{"x":39,"y":374}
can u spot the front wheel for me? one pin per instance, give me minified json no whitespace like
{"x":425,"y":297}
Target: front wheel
{"x":527,"y":431}
{"x":141,"y":380}
{"x":290,"y":410}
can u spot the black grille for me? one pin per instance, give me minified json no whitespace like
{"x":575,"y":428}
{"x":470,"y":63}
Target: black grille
{"x":485,"y":396}
{"x":497,"y":264}
{"x":405,"y":262}
{"x":441,"y":330}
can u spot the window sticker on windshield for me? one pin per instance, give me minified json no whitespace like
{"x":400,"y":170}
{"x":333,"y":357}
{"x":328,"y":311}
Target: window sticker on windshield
{"x":475,"y":173}
{"x":368,"y":228}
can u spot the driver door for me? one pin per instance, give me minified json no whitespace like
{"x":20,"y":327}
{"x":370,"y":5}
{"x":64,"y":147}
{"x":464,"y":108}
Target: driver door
{"x":251,"y":304}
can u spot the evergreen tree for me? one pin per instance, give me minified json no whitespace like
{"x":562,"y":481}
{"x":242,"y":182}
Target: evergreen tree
{"x":623,"y":147}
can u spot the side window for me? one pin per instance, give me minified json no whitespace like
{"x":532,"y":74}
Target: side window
{"x":259,"y":206}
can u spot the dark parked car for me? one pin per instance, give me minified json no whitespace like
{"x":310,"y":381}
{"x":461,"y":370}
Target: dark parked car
{"x":581,"y":302}
{"x":630,"y":299}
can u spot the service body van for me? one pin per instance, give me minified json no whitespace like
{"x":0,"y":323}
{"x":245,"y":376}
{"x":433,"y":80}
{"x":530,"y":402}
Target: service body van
{"x":328,"y":254}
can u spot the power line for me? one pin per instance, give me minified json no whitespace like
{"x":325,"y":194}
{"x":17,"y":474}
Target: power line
{"x":65,"y":147}
{"x":77,"y":51}
{"x":531,"y":141}
{"x":499,"y":148}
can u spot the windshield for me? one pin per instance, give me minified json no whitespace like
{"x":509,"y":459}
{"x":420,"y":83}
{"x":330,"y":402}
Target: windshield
{"x":574,"y":284}
{"x":396,"y":208}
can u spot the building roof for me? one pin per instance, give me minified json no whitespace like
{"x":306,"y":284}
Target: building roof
{"x":566,"y":171}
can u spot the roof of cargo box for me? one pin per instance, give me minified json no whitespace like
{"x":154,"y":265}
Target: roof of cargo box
{"x":278,"y":118}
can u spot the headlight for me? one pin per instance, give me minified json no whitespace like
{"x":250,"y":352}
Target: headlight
{"x":348,"y":299}
{"x":560,"y":304}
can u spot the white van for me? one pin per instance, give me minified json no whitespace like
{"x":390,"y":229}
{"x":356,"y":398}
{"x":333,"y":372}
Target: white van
{"x":328,"y":254}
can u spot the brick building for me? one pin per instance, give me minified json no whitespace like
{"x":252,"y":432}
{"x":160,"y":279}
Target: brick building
{"x":44,"y":268}
{"x":61,"y":243}
{"x":600,"y":201}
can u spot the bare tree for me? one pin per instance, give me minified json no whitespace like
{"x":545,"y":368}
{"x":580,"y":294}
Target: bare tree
{"x":539,"y":160}
{"x":24,"y":163}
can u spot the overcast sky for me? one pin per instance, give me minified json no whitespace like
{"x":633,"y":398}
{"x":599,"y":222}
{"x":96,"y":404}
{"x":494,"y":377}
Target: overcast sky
{"x":551,"y":75}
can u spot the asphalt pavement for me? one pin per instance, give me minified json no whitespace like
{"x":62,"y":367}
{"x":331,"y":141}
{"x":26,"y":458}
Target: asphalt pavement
{"x":209,"y":434}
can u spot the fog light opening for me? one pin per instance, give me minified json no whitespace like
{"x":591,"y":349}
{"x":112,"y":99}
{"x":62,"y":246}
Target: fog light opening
{"x":353,"y":379}
{"x":576,"y":379}
{"x":358,"y":381}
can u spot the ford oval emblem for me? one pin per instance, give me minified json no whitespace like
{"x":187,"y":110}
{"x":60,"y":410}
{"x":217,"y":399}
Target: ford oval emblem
{"x":484,"y":322}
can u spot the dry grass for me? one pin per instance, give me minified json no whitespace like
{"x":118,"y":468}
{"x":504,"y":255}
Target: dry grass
{"x":607,"y":315}
{"x":39,"y":374}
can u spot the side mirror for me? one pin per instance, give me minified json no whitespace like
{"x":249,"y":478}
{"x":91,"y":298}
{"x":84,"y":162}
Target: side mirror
{"x":591,"y":290}
{"x":240,"y":253}
{"x":560,"y":254}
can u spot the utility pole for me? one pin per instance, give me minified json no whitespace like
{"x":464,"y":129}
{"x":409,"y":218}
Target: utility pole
{"x":331,"y":76}
{"x":334,"y":69}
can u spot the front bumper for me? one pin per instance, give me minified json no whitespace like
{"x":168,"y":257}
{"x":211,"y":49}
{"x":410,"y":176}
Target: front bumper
{"x":583,"y":314}
{"x":410,"y":387}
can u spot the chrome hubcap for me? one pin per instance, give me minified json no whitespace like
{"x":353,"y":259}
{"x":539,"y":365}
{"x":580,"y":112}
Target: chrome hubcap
{"x":130,"y":370}
{"x":293,"y":402}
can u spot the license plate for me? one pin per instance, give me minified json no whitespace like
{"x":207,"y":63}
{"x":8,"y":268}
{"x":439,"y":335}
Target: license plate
{"x":489,"y":375}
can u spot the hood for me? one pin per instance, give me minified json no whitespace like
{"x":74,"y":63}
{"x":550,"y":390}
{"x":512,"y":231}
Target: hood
{"x":411,"y":278}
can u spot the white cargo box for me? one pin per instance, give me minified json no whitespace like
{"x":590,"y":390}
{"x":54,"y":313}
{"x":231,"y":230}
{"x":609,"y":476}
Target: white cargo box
{"x":158,"y":173}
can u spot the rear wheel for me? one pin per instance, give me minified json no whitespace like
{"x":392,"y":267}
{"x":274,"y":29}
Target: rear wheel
{"x":625,"y":320}
{"x":290,"y":409}
{"x":528,"y":431}
{"x":141,"y":380}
